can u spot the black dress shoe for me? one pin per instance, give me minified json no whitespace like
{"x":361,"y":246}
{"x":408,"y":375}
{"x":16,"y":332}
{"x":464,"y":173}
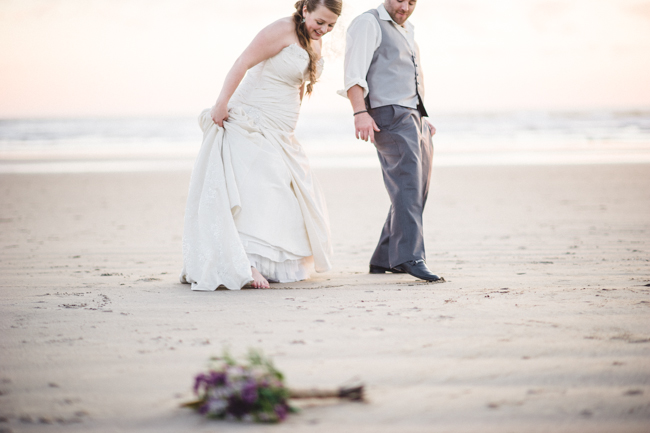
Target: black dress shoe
{"x":419,"y":269}
{"x":381,"y":270}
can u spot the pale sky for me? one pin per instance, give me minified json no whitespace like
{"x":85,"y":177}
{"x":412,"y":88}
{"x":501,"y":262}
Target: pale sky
{"x":68,"y":58}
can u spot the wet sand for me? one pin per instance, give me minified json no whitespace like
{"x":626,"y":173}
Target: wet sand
{"x":543,"y":325}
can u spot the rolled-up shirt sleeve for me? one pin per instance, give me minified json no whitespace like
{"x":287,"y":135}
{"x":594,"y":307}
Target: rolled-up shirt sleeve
{"x":363,"y":39}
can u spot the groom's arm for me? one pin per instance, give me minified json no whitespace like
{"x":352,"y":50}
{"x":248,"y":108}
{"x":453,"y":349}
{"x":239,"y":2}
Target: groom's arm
{"x":364,"y":124}
{"x":363,"y":38}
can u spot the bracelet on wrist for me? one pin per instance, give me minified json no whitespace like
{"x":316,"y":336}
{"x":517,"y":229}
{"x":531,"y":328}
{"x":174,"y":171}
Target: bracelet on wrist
{"x":359,"y":112}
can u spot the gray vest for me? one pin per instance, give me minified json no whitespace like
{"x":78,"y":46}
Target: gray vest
{"x":395,"y":76}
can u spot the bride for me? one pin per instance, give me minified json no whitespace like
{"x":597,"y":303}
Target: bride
{"x":255,"y":213}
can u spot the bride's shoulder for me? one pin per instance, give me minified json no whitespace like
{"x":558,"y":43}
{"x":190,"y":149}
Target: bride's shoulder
{"x":269,"y":42}
{"x":281,"y":30}
{"x":287,"y":23}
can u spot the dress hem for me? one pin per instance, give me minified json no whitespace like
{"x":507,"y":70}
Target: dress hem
{"x":287,"y":271}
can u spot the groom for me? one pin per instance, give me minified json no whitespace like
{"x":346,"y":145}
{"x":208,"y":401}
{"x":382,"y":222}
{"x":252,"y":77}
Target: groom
{"x":384,"y":82}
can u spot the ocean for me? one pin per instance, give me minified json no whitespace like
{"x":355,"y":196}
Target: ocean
{"x":157,"y":144}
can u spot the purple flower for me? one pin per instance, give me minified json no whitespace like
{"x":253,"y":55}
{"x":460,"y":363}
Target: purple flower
{"x":238,"y":407}
{"x":216,"y":378}
{"x":249,"y":392}
{"x":198,"y":380}
{"x":204,"y":409}
{"x":281,"y":411}
{"x":213,"y":378}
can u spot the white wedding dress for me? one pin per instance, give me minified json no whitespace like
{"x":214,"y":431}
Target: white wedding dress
{"x":253,"y":200}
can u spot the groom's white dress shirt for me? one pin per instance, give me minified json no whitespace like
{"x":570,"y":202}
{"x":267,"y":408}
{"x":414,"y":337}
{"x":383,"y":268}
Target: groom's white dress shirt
{"x":363,"y":38}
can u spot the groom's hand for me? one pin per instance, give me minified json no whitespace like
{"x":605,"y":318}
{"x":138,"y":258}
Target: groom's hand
{"x":430,"y":126}
{"x":365,"y":127}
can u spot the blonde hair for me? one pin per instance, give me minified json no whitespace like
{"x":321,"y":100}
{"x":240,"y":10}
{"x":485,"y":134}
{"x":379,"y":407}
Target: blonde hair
{"x":303,"y":35}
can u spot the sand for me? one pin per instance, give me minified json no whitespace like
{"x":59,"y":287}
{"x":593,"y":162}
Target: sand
{"x":543,"y":325}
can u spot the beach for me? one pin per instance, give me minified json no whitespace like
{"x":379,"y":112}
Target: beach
{"x":542,"y":324}
{"x":538,"y":215}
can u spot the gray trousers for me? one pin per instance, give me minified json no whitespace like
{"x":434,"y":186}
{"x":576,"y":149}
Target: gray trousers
{"x":405,"y":151}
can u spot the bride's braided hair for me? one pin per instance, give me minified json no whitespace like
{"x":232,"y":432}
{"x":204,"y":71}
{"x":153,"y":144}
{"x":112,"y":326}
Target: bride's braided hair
{"x":303,"y":35}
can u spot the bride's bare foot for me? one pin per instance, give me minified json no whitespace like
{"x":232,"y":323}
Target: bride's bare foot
{"x":259,"y":282}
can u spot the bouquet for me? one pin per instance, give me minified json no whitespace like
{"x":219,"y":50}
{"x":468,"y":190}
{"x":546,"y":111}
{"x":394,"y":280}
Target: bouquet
{"x":253,"y":391}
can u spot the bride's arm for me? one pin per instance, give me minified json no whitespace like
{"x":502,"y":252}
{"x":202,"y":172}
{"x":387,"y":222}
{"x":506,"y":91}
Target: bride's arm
{"x":269,"y":42}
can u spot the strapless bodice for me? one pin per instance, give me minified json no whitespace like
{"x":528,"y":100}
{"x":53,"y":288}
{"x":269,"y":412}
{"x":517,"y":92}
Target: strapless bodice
{"x":270,"y":91}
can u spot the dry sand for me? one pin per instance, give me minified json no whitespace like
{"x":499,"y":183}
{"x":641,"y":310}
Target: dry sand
{"x":544,"y":325}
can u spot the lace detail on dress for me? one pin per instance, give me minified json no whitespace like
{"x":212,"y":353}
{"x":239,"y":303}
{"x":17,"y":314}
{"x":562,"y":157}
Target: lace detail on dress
{"x":302,"y":53}
{"x":254,"y":115}
{"x":298,"y":50}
